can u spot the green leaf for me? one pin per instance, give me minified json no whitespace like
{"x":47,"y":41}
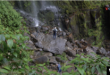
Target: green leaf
{"x":98,"y":68}
{"x":66,"y":67}
{"x":10,"y":43}
{"x":93,"y":69}
{"x":15,"y":54}
{"x":81,"y":70}
{"x":3,"y":71}
{"x":7,"y":67}
{"x":27,"y":67}
{"x":85,"y":66}
{"x":104,"y":72}
{"x":2,"y":37}
{"x":65,"y":73}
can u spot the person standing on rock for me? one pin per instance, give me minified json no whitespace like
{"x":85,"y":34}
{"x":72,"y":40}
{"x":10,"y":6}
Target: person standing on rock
{"x":54,"y":32}
{"x":59,"y":68}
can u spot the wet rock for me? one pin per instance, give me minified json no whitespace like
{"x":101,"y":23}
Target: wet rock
{"x":48,"y":54}
{"x":38,"y":54}
{"x":53,"y":67}
{"x":40,"y":49}
{"x":47,"y":42}
{"x":45,"y":28}
{"x":38,"y":29}
{"x":78,"y":50}
{"x":90,"y":51}
{"x":69,"y":44}
{"x":39,"y":45}
{"x":40,"y":60}
{"x":84,"y":42}
{"x":70,"y":38}
{"x":52,"y":60}
{"x":70,"y":52}
{"x":102,"y":51}
{"x":75,"y":46}
{"x":108,"y":53}
{"x":69,"y":58}
{"x":64,"y":34}
{"x":78,"y":43}
{"x":30,"y":45}
{"x":95,"y":49}
{"x":59,"y":33}
{"x":59,"y":59}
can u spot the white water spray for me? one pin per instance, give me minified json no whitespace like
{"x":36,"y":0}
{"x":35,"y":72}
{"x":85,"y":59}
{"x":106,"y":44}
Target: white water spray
{"x":34,"y":13}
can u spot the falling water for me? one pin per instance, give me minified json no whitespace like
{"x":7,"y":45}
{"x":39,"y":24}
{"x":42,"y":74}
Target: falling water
{"x":34,"y":13}
{"x":40,"y":6}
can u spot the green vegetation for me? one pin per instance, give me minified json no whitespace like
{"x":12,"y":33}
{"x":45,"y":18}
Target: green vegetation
{"x":8,"y":16}
{"x":14,"y":58}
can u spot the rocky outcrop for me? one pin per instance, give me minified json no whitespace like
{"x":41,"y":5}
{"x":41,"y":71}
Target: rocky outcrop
{"x":70,"y":52}
{"x":42,"y":59}
{"x":47,"y":42}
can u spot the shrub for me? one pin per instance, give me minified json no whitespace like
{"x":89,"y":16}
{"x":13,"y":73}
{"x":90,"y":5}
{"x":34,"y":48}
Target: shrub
{"x":8,"y":16}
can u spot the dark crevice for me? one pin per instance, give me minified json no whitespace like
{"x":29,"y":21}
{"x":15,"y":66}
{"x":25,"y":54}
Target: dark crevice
{"x":106,"y":23}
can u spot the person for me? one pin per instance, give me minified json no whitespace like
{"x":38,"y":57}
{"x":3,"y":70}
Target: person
{"x":54,"y":32}
{"x":59,"y":68}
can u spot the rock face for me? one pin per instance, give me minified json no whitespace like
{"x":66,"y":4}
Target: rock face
{"x":102,"y":51}
{"x":42,"y":59}
{"x":70,"y":52}
{"x":47,"y":42}
{"x":90,"y":51}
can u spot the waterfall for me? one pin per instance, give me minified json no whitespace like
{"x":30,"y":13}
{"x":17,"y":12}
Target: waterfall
{"x":37,"y":7}
{"x":34,"y":13}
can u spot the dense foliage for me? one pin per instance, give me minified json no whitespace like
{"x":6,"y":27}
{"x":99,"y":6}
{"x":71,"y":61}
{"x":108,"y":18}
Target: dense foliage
{"x":14,"y":59}
{"x":8,"y":16}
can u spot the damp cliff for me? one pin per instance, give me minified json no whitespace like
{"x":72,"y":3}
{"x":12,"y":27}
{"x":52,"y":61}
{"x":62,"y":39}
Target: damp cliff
{"x":87,"y":20}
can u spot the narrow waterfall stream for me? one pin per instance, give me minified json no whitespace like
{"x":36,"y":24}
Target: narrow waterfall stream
{"x":45,"y":9}
{"x":34,"y":13}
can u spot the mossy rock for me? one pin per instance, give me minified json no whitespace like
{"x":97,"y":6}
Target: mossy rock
{"x":45,"y":15}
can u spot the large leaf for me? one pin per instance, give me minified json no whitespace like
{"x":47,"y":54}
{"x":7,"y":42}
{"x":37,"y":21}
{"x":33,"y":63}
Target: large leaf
{"x":98,"y":68}
{"x":81,"y":70}
{"x":7,"y":67}
{"x":3,"y":71}
{"x":10,"y":43}
{"x":65,"y":73}
{"x":2,"y":37}
{"x":84,"y":67}
{"x":93,"y":69}
{"x":15,"y":54}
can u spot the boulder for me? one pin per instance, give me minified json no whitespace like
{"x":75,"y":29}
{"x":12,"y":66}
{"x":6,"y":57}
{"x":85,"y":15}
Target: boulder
{"x":70,"y":38}
{"x":47,"y":42}
{"x":70,"y":52}
{"x":59,"y":33}
{"x":37,"y":54}
{"x":52,"y":60}
{"x":53,"y":67}
{"x":95,"y":49}
{"x":45,"y":28}
{"x":30,"y":45}
{"x":69,"y":58}
{"x":48,"y":54}
{"x":39,"y":44}
{"x":59,"y":60}
{"x":69,"y":44}
{"x":38,"y":29}
{"x":102,"y":51}
{"x":90,"y":51}
{"x":64,"y":34}
{"x":78,"y":43}
{"x":41,"y":60}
